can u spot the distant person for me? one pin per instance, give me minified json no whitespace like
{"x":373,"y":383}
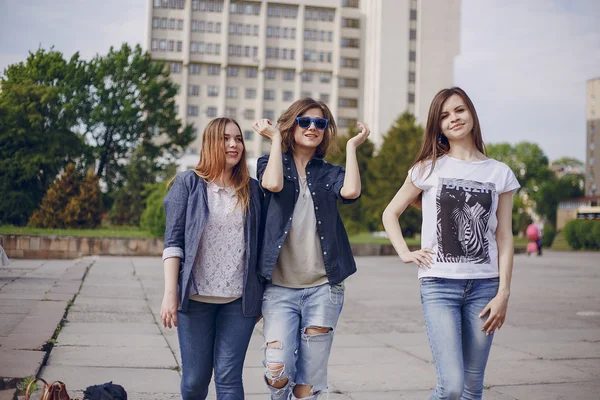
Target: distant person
{"x":306,"y":255}
{"x":540,"y":226}
{"x":466,"y":256}
{"x":212,"y":290}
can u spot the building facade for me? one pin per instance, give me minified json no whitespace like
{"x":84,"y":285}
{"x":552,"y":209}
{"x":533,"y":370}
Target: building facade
{"x":592,"y":113}
{"x":369,"y":60}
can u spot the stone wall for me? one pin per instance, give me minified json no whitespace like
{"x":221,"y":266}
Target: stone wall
{"x":69,"y":247}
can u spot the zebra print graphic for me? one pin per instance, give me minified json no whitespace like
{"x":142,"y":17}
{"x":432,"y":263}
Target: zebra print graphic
{"x":463,"y":214}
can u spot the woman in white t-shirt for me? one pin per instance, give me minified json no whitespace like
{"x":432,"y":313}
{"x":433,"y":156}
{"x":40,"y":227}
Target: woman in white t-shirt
{"x":466,"y":256}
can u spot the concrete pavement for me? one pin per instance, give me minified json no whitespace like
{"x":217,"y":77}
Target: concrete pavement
{"x":548,"y":349}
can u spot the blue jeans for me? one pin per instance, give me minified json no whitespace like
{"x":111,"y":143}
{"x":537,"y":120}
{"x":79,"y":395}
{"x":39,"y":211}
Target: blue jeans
{"x":459,"y":347}
{"x":213,"y":335}
{"x":291,"y":353}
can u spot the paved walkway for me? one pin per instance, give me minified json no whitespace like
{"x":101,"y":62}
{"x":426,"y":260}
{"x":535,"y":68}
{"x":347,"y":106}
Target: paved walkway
{"x":549,"y":348}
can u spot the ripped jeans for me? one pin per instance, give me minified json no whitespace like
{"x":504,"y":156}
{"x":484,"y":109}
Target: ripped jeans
{"x":291,"y":353}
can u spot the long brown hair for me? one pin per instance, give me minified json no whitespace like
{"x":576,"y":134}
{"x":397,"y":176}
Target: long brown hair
{"x":435,"y":143}
{"x":287,"y":126}
{"x":212,"y":160}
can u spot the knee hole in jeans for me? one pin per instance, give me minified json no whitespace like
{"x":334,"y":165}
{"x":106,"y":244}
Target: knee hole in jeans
{"x":303,"y":390}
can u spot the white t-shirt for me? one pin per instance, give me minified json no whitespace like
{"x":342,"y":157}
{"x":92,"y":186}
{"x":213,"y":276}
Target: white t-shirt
{"x":460,"y":200}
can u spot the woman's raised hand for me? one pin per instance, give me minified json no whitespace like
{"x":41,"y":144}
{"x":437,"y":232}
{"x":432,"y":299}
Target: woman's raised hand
{"x":362,"y":136}
{"x":265,"y":128}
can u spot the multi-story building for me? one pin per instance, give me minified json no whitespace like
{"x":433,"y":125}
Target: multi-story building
{"x":592,"y":112}
{"x":369,"y":60}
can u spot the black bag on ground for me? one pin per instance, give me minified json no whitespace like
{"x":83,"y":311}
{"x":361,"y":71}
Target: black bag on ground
{"x":106,"y":391}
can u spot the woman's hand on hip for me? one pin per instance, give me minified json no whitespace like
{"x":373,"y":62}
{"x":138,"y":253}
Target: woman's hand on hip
{"x":168,"y":310}
{"x":420,"y":257}
{"x":497,"y":313}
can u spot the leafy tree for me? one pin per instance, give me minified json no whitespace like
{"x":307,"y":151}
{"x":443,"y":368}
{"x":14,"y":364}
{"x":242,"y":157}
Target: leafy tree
{"x":37,"y":116}
{"x":552,"y":191}
{"x":131,"y":103}
{"x":389,"y":169}
{"x":355,"y":215}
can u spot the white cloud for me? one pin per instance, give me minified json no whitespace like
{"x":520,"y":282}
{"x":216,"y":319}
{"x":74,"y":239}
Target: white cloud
{"x":525,"y":64}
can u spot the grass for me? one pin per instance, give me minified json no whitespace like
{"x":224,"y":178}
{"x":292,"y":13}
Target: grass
{"x":116,"y":231}
{"x":560,"y":243}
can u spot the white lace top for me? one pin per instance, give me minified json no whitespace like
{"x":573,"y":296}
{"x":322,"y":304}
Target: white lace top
{"x":219,"y":269}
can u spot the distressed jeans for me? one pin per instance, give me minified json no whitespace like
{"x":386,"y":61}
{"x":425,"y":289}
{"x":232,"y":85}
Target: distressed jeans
{"x":213,"y":336}
{"x":459,"y":347}
{"x":287,"y":314}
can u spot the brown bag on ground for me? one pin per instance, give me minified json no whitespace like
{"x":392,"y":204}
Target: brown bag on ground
{"x":53,"y":391}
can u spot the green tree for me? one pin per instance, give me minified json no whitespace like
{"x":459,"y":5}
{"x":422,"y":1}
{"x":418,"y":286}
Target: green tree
{"x":388,"y":170}
{"x":552,"y":191}
{"x":131,"y":103}
{"x":85,"y":210}
{"x":355,"y":215}
{"x":37,"y":118}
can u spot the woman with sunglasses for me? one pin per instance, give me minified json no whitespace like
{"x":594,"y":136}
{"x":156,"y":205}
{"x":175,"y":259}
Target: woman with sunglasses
{"x":306,"y":254}
{"x":212,"y":290}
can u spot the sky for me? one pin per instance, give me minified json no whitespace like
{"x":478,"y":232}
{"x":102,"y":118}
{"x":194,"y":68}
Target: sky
{"x":524,"y":63}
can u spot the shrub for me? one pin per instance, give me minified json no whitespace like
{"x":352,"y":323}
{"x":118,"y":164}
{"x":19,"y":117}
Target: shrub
{"x":583,"y":234}
{"x":549,"y":235}
{"x":153,"y":218}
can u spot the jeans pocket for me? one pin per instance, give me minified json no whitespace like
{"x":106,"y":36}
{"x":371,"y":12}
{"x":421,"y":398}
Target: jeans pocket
{"x":431,"y":280}
{"x":336,"y":294}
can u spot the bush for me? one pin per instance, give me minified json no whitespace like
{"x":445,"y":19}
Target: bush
{"x":583,"y":234}
{"x":153,"y":218}
{"x":549,"y":235}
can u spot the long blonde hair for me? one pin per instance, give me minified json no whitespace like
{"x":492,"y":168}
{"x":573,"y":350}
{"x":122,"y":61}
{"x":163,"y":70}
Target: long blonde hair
{"x":212,"y":160}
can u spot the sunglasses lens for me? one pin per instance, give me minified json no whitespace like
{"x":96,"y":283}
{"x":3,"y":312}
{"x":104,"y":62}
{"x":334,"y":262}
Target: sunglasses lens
{"x":303,"y":122}
{"x":320,"y":124}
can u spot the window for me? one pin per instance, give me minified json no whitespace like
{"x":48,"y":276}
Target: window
{"x":165,"y":3}
{"x":154,"y":44}
{"x":350,"y":42}
{"x":255,"y":52}
{"x":213,"y":91}
{"x":156,"y":3}
{"x":201,"y":25}
{"x":330,"y":36}
{"x":293,"y":33}
{"x":201,"y":48}
{"x":176,"y":68}
{"x":413,"y":15}
{"x":155,"y":22}
{"x":180,"y":25}
{"x":288,"y":75}
{"x":209,"y":27}
{"x":251,"y":72}
{"x":214,"y":69}
{"x":325,"y":77}
{"x":192,"y":111}
{"x":351,"y":103}
{"x":413,"y":34}
{"x":269,"y":94}
{"x":248,"y":134}
{"x":218,"y":27}
{"x":232,"y":93}
{"x":288,"y":95}
{"x":238,"y":51}
{"x":348,"y":82}
{"x":163,"y":23}
{"x":194,"y":69}
{"x":193,"y":90}
{"x":181,"y":4}
{"x":350,"y":62}
{"x":269,"y":74}
{"x":171,"y":45}
{"x":292,"y":54}
{"x":250,"y":93}
{"x":217,"y":49}
{"x":193,"y":47}
{"x":230,"y":112}
{"x":211,"y":111}
{"x":194,"y":5}
{"x":307,"y":76}
{"x":194,"y":25}
{"x":350,"y":3}
{"x":412,"y":56}
{"x":172,"y":24}
{"x":255,"y":30}
{"x":411,"y":77}
{"x":247,"y":51}
{"x":249,"y":114}
{"x":232,"y":71}
{"x":284,"y":53}
{"x":305,"y":94}
{"x":179,"y":45}
{"x":324,"y":97}
{"x":411,"y":98}
{"x":269,"y":114}
{"x":173,"y":4}
{"x":209,"y":48}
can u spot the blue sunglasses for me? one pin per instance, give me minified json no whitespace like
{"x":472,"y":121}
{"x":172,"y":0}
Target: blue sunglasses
{"x":305,"y":122}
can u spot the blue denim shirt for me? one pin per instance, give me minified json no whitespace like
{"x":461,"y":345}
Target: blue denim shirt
{"x":186,"y":208}
{"x":325,"y":182}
